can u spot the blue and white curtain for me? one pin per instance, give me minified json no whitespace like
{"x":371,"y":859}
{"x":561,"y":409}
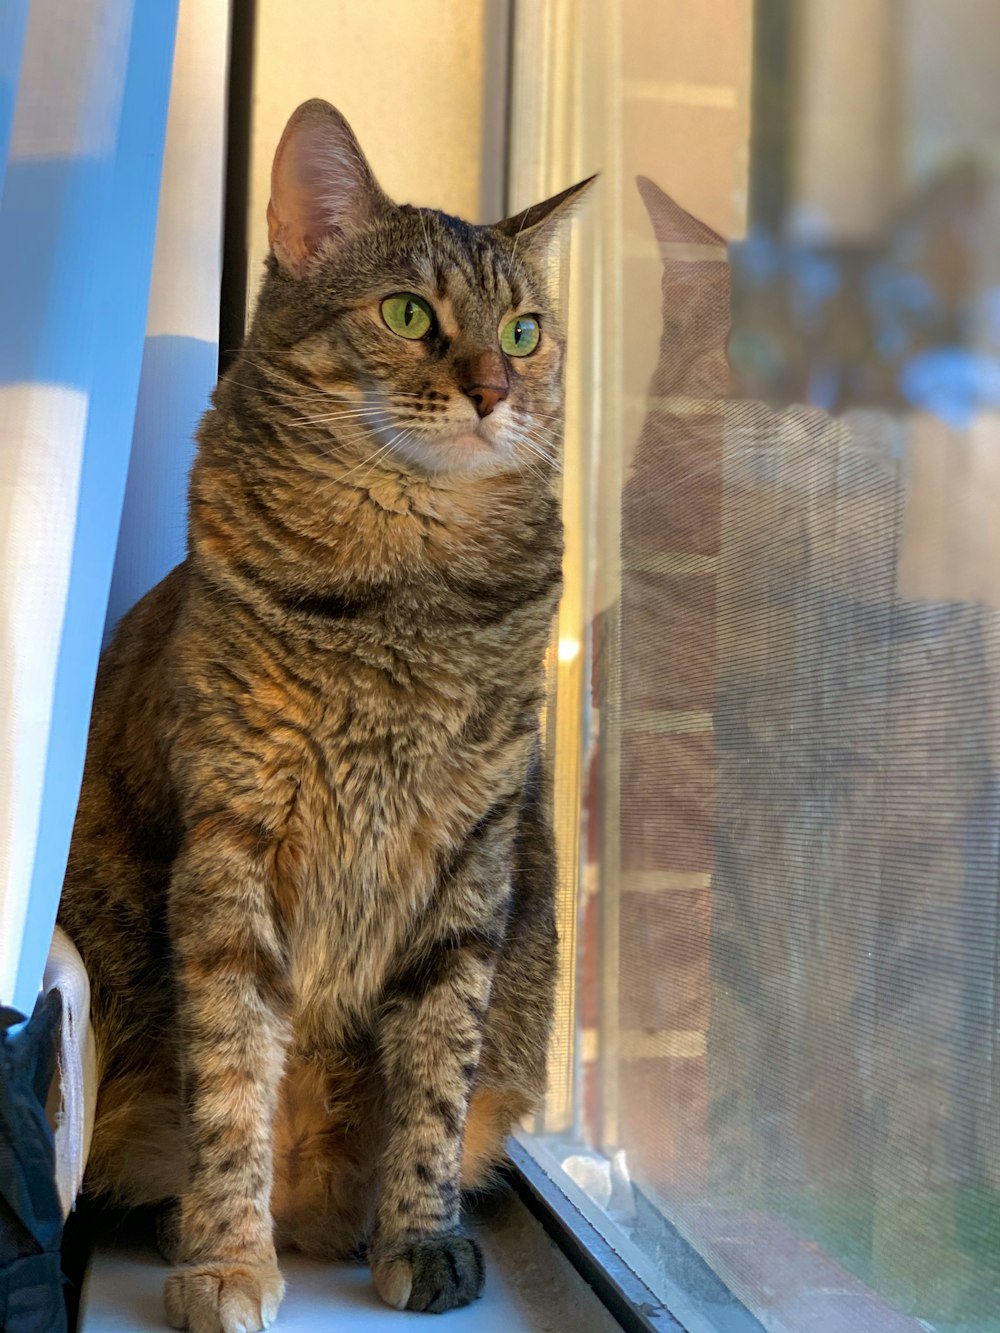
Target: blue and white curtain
{"x":106,"y":360}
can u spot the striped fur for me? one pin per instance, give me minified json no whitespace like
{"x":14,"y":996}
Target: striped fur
{"x":311,"y":873}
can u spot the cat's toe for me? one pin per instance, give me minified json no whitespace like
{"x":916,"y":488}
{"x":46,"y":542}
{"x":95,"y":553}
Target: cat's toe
{"x":434,"y":1274}
{"x":223,"y":1296}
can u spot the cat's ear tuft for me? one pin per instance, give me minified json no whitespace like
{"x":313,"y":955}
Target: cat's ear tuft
{"x":540,"y":225}
{"x":321,"y":186}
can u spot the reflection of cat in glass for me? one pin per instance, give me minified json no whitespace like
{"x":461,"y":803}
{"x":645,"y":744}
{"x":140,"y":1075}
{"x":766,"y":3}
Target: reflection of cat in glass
{"x":807,"y":674}
{"x":311,"y":877}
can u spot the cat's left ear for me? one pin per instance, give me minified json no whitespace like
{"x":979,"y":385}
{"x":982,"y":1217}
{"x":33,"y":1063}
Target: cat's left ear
{"x":321,"y":186}
{"x":541,"y":225}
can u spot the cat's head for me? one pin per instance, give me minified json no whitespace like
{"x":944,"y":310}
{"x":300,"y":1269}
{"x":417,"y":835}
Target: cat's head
{"x":403,"y":330}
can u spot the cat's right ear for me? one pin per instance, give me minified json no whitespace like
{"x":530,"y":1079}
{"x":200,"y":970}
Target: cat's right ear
{"x":322,"y":187}
{"x":539,"y":226}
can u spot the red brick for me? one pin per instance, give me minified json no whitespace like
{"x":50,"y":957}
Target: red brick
{"x":665,"y":954}
{"x":592,"y":804}
{"x":588,"y":963}
{"x":693,"y":342}
{"x":591,"y":1102}
{"x":664,"y":1124}
{"x":667,"y":802}
{"x":668,"y":640}
{"x":672,"y":501}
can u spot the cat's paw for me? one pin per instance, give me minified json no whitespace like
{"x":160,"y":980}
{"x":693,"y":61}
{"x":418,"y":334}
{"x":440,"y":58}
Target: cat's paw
{"x":223,"y":1296}
{"x":434,"y":1274}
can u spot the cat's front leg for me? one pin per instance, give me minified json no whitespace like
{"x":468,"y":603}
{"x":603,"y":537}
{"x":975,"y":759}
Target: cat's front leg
{"x":233,"y":1002}
{"x":431,"y":1038}
{"x":432,"y":1035}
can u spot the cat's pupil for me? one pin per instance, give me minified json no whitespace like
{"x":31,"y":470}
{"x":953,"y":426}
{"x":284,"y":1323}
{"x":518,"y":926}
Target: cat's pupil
{"x":518,"y":330}
{"x":409,"y":312}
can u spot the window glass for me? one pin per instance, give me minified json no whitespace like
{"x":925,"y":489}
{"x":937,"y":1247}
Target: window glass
{"x":777,"y":684}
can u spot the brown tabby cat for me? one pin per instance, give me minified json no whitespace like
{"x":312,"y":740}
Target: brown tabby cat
{"x":311,"y":876}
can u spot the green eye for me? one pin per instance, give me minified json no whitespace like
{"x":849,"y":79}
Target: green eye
{"x":519,"y":337}
{"x":408,"y":315}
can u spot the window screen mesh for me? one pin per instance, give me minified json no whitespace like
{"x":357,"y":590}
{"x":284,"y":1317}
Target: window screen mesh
{"x":788,"y":1017}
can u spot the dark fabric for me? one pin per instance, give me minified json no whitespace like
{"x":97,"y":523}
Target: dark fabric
{"x":31,"y":1297}
{"x":31,"y":1224}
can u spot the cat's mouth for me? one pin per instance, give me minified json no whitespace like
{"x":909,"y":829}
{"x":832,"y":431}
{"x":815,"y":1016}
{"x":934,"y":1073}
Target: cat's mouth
{"x":480,"y":434}
{"x":476,"y":446}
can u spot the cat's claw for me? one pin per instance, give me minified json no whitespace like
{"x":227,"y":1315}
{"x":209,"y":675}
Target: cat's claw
{"x":223,"y":1296}
{"x":433,"y":1274}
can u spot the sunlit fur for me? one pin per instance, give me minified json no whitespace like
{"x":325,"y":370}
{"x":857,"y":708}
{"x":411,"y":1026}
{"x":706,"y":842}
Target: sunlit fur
{"x":311,"y":874}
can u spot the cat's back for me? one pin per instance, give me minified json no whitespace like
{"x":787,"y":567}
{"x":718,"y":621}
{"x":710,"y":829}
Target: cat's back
{"x":135,"y":676}
{"x":125,"y":815}
{"x":126,"y":834}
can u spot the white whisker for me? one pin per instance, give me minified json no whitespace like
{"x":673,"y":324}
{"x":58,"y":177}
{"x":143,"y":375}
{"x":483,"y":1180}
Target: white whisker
{"x":358,"y":414}
{"x":530,"y":447}
{"x":423,"y":228}
{"x":513,"y":253}
{"x":374,"y":459}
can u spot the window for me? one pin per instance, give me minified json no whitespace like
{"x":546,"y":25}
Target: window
{"x":777,"y":679}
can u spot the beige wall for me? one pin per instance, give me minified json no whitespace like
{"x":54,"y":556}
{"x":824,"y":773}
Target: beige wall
{"x":421,"y":81}
{"x":847,"y":132}
{"x":684,"y":84}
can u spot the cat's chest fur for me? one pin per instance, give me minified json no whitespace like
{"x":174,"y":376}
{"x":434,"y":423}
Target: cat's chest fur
{"x":378,"y":767}
{"x":365,"y":728}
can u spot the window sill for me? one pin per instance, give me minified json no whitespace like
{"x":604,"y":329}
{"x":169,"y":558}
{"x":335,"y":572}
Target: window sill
{"x":530,"y":1285}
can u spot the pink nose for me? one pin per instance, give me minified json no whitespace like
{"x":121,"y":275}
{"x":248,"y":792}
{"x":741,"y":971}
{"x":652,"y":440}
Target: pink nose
{"x":482,"y":376}
{"x":485,"y":396}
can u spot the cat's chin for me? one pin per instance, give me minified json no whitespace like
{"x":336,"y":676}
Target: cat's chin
{"x":474,"y":449}
{"x":467,"y":454}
